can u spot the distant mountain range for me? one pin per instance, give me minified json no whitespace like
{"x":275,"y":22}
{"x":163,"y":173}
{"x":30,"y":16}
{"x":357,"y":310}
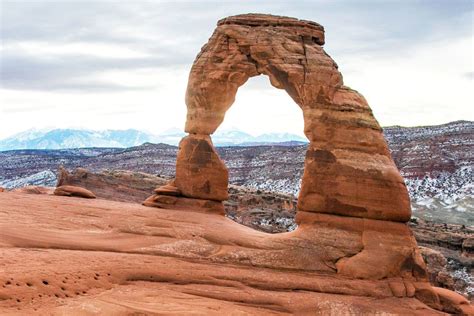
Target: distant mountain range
{"x":79,"y":138}
{"x":437,"y":163}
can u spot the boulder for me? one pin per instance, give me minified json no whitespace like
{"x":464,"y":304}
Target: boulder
{"x":70,"y":190}
{"x":453,"y":302}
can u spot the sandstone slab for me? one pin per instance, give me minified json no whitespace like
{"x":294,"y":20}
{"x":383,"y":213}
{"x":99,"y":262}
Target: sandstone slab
{"x":116,"y":185}
{"x":65,"y":256}
{"x":33,"y":189}
{"x":70,"y":190}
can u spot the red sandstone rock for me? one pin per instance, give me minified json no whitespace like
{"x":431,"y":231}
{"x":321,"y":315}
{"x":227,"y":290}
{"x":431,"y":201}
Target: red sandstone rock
{"x":116,"y":185}
{"x":254,"y":208}
{"x":33,"y":189}
{"x":69,"y":256}
{"x":2,"y":189}
{"x":348,"y":167}
{"x":435,"y":261}
{"x":175,"y":202}
{"x":200,"y":173}
{"x":349,"y":255}
{"x":69,"y":190}
{"x":453,"y":303}
{"x":168,"y":189}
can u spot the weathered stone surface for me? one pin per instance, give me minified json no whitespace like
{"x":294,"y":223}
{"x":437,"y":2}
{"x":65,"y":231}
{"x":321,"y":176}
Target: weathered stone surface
{"x":2,"y":189}
{"x":183,"y":203}
{"x":200,"y":173}
{"x":453,"y":303}
{"x":436,"y":263}
{"x":274,"y":213}
{"x":70,"y":190}
{"x":69,"y":256}
{"x":168,"y":189}
{"x":116,"y":185}
{"x":33,"y":189}
{"x":353,"y":202}
{"x":348,"y":167}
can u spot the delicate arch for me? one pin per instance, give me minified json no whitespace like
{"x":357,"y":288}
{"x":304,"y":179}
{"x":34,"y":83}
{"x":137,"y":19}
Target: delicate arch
{"x":348,"y":167}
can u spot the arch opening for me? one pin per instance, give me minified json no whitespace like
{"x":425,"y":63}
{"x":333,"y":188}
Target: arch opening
{"x":259,"y":109}
{"x":263,"y":198}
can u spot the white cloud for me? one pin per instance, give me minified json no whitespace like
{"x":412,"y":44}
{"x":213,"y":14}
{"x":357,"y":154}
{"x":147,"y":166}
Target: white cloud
{"x":64,"y":49}
{"x":424,"y":84}
{"x":154,"y":109}
{"x":125,"y":64}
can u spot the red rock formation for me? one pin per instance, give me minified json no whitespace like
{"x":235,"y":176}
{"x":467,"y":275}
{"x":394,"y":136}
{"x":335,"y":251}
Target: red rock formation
{"x":125,"y":186}
{"x":200,"y":173}
{"x":70,"y":190}
{"x":348,"y":168}
{"x":166,"y":200}
{"x":33,"y":189}
{"x":453,"y":303}
{"x":353,"y":203}
{"x":351,"y":254}
{"x":67,"y":256}
{"x":274,"y":213}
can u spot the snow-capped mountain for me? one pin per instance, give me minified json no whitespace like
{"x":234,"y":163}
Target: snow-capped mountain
{"x":437,"y":163}
{"x":239,"y":138}
{"x":75,"y":138}
{"x":79,"y":138}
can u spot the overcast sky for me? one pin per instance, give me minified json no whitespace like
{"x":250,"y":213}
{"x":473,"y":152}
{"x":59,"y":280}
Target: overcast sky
{"x":124,"y":64}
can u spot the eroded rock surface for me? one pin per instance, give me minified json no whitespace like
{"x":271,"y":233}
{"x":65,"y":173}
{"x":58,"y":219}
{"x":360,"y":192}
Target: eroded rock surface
{"x":63,"y":256}
{"x":352,"y":252}
{"x":92,"y":231}
{"x":70,"y":190}
{"x":352,"y":194}
{"x":34,"y":189}
{"x":200,"y":173}
{"x":348,"y":167}
{"x":117,"y":185}
{"x":447,"y":249}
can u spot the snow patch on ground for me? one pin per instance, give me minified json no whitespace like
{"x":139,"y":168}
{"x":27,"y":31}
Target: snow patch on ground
{"x":42,"y":178}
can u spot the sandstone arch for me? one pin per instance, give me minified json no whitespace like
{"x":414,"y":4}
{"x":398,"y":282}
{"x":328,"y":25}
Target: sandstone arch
{"x":348,"y":167}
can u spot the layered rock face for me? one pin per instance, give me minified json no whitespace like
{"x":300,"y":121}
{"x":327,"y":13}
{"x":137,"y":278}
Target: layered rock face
{"x":200,"y":173}
{"x":348,"y":167}
{"x":353,"y":203}
{"x":124,"y":186}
